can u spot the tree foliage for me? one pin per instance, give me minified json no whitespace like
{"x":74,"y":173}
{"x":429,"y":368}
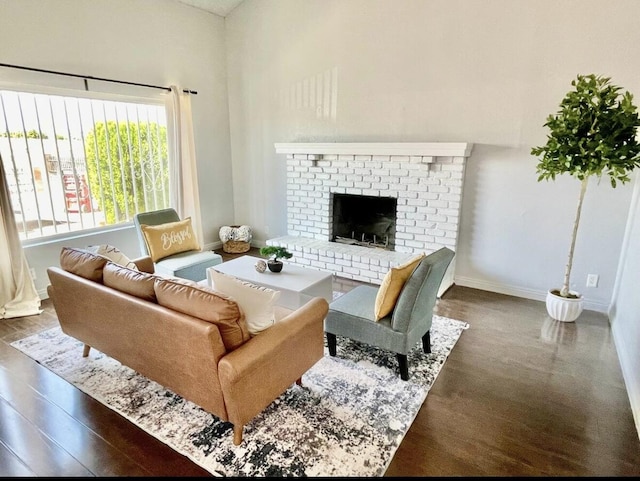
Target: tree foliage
{"x":593,"y":133}
{"x":127,"y":168}
{"x":276,"y":252}
{"x":31,"y":134}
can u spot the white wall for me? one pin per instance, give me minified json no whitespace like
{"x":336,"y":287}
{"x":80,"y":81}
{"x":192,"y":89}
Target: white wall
{"x":624,"y":314}
{"x":484,"y":72}
{"x":159,"y":42}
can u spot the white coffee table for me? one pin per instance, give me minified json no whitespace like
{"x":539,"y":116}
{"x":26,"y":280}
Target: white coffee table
{"x":296,"y":284}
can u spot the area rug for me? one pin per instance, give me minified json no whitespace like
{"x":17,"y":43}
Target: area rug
{"x":347,"y":419}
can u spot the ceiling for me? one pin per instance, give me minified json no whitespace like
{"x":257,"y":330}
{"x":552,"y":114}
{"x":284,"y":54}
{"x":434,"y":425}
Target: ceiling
{"x":219,"y":7}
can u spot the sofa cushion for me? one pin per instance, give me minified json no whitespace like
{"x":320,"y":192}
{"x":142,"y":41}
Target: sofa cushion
{"x":164,"y":240}
{"x":392,"y":284}
{"x":256,"y":302}
{"x":199,"y":301}
{"x":129,"y":281}
{"x":82,"y":263}
{"x":113,"y":254}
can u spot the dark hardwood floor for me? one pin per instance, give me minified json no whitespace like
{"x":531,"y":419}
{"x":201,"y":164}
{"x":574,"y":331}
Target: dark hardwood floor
{"x":520,"y":395}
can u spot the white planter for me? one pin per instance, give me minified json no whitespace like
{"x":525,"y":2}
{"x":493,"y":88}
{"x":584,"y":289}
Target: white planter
{"x":562,"y":308}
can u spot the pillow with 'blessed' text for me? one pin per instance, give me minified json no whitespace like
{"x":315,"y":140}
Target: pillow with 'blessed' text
{"x":165,"y":240}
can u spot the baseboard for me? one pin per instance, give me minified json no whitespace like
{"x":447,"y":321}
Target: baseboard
{"x":212,"y":246}
{"x":523,"y":292}
{"x":630,"y":375}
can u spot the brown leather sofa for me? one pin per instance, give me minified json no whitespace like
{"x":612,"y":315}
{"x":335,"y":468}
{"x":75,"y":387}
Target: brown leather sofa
{"x":185,"y":336}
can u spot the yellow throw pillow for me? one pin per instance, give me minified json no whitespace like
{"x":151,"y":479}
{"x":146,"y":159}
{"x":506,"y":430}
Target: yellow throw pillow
{"x":392,"y":284}
{"x":164,"y":240}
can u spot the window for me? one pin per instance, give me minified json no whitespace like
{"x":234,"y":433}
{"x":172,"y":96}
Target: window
{"x":77,"y":163}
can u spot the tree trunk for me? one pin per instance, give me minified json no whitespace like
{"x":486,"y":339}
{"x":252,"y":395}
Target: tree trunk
{"x":564,"y":292}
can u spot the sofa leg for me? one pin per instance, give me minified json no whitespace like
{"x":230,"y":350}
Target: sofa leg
{"x":237,"y":434}
{"x":85,"y":351}
{"x":331,"y":342}
{"x":403,"y":364}
{"x":299,"y":381}
{"x":426,"y":342}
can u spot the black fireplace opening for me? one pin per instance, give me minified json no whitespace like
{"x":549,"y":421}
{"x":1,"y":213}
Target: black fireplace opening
{"x":364,"y":220}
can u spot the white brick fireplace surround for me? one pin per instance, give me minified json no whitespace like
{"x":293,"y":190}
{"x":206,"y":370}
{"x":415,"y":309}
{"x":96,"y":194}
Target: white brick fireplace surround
{"x":426,"y":179}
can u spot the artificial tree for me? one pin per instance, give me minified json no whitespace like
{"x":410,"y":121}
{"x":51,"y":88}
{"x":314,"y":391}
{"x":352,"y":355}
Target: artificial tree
{"x":594,"y":133}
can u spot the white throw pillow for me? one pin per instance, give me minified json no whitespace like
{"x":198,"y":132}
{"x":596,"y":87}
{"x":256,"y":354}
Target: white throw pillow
{"x":113,"y":254}
{"x":256,"y":302}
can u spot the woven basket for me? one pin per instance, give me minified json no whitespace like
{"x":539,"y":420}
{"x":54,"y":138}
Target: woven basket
{"x":236,"y":247}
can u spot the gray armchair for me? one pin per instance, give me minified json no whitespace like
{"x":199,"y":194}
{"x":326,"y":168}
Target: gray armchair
{"x":352,"y":314}
{"x":187,"y":265}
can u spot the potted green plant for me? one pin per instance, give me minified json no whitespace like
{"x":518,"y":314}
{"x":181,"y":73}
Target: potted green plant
{"x":594,"y":133}
{"x":276,"y":253}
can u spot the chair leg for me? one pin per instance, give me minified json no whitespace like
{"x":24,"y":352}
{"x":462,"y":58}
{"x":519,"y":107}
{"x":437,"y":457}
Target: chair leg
{"x":403,"y":364}
{"x":426,"y":342}
{"x":331,"y":342}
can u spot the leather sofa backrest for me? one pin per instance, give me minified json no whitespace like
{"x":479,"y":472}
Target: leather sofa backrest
{"x":131,"y":281}
{"x":83,"y":263}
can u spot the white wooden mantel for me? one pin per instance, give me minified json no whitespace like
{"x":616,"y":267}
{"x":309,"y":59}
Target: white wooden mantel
{"x":413,"y":149}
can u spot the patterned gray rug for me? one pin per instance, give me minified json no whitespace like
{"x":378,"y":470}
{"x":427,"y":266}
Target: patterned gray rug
{"x":347,"y":419}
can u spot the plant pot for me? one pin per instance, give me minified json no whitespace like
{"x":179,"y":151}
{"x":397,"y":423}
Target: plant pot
{"x":564,"y":309}
{"x":275,"y":266}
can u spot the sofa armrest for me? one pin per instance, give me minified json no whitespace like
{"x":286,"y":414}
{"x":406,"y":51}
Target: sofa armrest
{"x":144,"y":264}
{"x":256,"y":373}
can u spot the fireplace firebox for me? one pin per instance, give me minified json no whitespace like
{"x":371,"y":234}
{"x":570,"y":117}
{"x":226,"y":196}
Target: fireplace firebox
{"x":364,"y":220}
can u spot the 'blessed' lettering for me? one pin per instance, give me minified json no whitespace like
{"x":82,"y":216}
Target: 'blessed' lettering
{"x":175,"y":237}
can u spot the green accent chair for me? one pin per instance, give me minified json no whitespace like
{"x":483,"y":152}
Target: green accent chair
{"x":186,"y":265}
{"x":352,"y":314}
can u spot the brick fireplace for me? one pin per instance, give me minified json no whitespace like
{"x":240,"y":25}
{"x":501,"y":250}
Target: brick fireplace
{"x":425,"y":179}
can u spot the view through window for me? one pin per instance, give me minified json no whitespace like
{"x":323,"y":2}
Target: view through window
{"x":80,"y":163}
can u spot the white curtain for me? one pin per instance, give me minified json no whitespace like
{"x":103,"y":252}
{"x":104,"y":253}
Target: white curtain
{"x":18,"y":295}
{"x":184,"y":175}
